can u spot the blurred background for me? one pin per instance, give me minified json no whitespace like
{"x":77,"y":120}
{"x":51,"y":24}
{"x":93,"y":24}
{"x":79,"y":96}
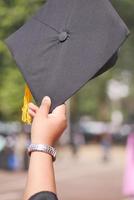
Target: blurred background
{"x":93,"y":153}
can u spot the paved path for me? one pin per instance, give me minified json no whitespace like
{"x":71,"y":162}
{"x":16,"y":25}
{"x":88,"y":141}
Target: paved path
{"x":84,"y":177}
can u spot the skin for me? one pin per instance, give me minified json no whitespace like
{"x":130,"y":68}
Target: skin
{"x":46,"y":129}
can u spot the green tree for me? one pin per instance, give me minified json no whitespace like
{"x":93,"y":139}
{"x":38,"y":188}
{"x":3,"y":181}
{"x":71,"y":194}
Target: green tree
{"x":13,"y":14}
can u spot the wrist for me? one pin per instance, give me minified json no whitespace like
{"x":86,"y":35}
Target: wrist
{"x":41,"y":155}
{"x":42,"y":148}
{"x":47,"y":141}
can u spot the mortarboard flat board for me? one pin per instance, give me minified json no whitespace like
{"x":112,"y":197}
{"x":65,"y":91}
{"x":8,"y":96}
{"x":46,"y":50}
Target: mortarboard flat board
{"x":65,"y":44}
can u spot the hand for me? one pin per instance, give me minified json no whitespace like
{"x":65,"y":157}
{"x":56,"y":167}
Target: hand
{"x":47,"y":128}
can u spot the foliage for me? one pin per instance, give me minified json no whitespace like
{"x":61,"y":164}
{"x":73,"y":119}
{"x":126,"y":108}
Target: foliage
{"x":13,"y":14}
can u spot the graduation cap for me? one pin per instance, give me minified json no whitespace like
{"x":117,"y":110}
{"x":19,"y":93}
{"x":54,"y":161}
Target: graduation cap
{"x":65,"y":44}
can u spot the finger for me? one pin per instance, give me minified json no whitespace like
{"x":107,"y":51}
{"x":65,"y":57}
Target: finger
{"x":60,"y":110}
{"x":45,"y":106}
{"x":31,"y":113}
{"x":33,"y":107}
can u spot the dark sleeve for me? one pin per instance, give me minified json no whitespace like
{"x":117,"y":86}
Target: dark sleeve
{"x":44,"y":196}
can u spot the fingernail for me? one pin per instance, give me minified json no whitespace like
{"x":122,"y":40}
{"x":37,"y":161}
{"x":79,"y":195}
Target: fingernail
{"x":46,"y":98}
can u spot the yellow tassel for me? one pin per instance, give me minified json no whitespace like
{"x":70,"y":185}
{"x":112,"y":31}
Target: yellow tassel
{"x":26,"y":118}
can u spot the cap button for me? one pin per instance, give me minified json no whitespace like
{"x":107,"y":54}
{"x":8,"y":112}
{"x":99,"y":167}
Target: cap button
{"x":63,"y":36}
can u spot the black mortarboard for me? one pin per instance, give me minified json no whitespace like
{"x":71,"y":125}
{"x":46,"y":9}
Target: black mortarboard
{"x":65,"y":44}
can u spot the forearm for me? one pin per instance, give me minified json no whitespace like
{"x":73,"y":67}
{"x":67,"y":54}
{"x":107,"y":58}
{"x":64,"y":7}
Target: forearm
{"x":40,"y":175}
{"x":46,"y":129}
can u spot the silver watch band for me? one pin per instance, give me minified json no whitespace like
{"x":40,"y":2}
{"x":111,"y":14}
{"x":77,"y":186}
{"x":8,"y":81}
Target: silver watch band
{"x":42,"y":148}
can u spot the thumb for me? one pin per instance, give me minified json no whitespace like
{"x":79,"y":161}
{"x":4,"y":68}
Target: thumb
{"x":45,"y":106}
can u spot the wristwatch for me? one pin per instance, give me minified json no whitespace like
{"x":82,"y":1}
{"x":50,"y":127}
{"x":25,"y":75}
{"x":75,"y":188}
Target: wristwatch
{"x":42,"y":148}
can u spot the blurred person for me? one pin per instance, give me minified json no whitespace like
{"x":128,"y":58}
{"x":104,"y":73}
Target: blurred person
{"x":128,"y":186}
{"x":106,"y":146}
{"x":12,"y":160}
{"x":21,"y":150}
{"x":46,"y":130}
{"x":77,"y":139}
{"x":25,"y":155}
{"x":8,"y":160}
{"x":2,"y":147}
